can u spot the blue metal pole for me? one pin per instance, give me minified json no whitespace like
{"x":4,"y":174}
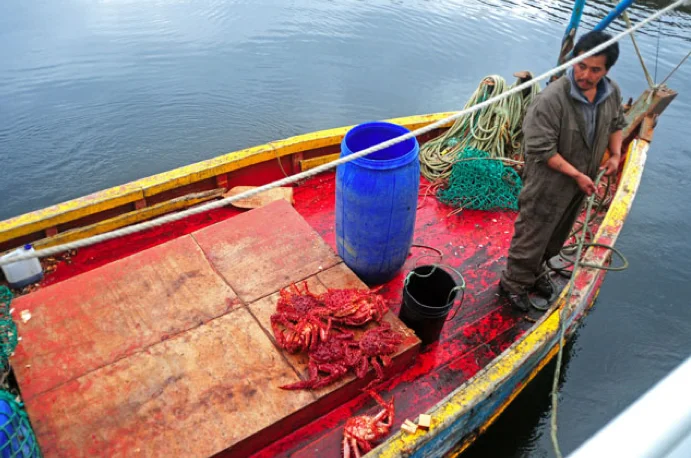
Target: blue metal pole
{"x":567,"y":41}
{"x":615,"y":13}
{"x":575,"y":19}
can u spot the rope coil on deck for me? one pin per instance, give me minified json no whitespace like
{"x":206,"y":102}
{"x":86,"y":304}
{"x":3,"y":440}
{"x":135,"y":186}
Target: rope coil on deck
{"x":495,"y":130}
{"x":324,"y":167}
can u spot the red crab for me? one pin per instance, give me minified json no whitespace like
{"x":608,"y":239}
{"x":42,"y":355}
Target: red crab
{"x":305,"y":322}
{"x":354,"y":307}
{"x":329,"y":357}
{"x":376,"y":343}
{"x":304,"y":334}
{"x":359,"y":432}
{"x":293,"y":300}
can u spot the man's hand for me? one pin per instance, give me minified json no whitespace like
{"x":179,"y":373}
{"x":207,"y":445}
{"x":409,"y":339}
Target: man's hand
{"x":558,"y":163}
{"x":611,"y":166}
{"x":585,"y":183}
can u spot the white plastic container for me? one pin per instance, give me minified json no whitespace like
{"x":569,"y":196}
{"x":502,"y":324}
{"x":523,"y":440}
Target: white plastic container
{"x":24,"y":272}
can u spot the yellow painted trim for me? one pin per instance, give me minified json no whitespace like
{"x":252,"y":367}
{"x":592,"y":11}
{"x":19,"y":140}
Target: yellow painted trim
{"x":477,"y":388}
{"x":193,"y":173}
{"x":124,"y":220}
{"x":551,"y":354}
{"x":484,"y":382}
{"x":262,"y":153}
{"x":71,"y":210}
{"x":61,"y":213}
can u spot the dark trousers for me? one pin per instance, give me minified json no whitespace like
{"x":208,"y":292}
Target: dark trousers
{"x":535,"y":241}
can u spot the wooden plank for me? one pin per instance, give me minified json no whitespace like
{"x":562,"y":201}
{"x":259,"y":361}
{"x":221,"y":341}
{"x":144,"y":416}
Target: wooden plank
{"x":308,"y":164}
{"x":210,"y":168}
{"x":261,"y":199}
{"x":126,"y":219}
{"x":648,"y":127}
{"x":650,"y":102}
{"x":340,"y":276}
{"x":193,"y":395}
{"x":103,"y":315}
{"x":261,"y":251}
{"x":262,"y":310}
{"x":349,"y":387}
{"x":68,"y":211}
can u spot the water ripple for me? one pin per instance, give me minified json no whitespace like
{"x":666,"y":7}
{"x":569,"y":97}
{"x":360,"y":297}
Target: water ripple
{"x":163,"y":83}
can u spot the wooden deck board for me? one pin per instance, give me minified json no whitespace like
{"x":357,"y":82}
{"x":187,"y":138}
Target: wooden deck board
{"x":193,"y":395}
{"x":157,"y":355}
{"x":411,"y":397}
{"x":285,"y":249}
{"x":341,"y":391}
{"x":106,"y":314}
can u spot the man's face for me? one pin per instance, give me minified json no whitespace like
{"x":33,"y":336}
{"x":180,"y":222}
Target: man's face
{"x":589,"y":72}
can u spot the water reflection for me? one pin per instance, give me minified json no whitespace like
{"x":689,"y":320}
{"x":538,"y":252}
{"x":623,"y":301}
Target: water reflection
{"x":97,"y":93}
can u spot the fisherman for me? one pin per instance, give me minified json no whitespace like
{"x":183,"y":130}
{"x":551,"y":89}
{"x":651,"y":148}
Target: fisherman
{"x":567,"y":129}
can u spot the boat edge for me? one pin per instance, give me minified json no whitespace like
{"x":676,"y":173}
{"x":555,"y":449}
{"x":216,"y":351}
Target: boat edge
{"x":539,"y":345}
{"x":48,"y":218}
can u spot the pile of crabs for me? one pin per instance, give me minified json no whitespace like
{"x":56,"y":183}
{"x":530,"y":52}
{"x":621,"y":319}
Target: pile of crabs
{"x":322,"y":325}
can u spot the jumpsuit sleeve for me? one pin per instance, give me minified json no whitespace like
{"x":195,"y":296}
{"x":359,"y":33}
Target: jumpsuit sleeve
{"x":619,"y":121}
{"x":541,"y":128}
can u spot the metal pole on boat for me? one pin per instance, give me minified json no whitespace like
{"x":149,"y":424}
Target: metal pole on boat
{"x":569,"y":37}
{"x":567,"y":43}
{"x":658,"y":424}
{"x":615,"y":13}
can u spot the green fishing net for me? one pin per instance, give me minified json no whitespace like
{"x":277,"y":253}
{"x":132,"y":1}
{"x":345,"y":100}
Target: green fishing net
{"x":479,"y":182}
{"x":17,"y":439}
{"x":8,"y":330}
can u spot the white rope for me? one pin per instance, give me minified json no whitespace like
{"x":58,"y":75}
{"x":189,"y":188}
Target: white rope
{"x":324,"y":167}
{"x":649,"y":78}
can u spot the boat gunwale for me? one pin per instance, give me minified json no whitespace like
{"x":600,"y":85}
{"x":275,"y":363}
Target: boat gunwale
{"x":543,"y":335}
{"x":138,"y":190}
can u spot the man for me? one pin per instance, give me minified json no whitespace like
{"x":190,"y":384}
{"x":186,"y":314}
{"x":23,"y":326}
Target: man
{"x":566,"y":130}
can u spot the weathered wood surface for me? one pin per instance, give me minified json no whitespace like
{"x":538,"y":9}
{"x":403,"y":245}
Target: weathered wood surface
{"x":336,"y":277}
{"x":263,"y":250}
{"x":109,"y":313}
{"x":193,"y":395}
{"x":261,"y":199}
{"x":126,"y":219}
{"x":156,"y":355}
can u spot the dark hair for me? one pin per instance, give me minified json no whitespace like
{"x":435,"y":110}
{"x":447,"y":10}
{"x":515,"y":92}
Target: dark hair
{"x":593,"y":39}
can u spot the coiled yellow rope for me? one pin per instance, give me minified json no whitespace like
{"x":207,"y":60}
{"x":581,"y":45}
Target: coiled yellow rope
{"x":495,"y":129}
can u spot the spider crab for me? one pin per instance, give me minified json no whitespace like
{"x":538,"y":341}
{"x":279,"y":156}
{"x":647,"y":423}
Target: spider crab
{"x":359,"y":432}
{"x":304,"y":320}
{"x":354,"y":307}
{"x":376,"y":344}
{"x":329,"y":357}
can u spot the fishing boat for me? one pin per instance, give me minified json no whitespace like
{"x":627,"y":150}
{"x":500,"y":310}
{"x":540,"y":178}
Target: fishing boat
{"x":162,"y":342}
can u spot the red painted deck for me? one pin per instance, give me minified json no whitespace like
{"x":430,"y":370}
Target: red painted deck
{"x":475,"y":242}
{"x":131,"y":357}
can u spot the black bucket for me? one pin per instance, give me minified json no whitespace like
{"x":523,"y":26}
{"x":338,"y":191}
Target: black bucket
{"x":429,"y":293}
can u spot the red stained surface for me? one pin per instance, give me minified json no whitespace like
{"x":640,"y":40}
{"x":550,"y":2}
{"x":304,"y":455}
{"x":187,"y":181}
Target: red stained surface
{"x":94,"y":256}
{"x":474,"y":242}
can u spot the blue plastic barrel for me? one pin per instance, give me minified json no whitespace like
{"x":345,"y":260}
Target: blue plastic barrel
{"x":376,"y":202}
